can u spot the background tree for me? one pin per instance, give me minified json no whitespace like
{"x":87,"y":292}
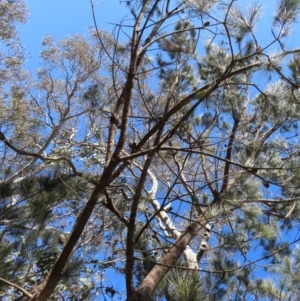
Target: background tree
{"x":167,"y":155}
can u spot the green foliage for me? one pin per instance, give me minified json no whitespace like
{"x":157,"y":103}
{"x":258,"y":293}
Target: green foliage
{"x":184,"y":285}
{"x":287,"y":12}
{"x":183,"y":116}
{"x":243,"y":21}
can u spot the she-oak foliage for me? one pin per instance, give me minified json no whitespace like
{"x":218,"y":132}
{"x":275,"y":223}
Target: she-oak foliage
{"x":159,"y":161}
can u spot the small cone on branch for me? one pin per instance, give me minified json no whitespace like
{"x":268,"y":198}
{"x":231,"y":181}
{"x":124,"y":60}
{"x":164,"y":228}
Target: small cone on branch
{"x":61,"y":239}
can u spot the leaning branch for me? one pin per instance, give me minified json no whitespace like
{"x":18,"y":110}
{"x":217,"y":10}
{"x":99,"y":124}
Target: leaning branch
{"x":39,"y":156}
{"x":27,"y":294}
{"x":50,"y":282}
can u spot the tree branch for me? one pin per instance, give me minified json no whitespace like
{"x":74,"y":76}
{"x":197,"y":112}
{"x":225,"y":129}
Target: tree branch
{"x":39,"y":156}
{"x":229,"y":150}
{"x":111,"y":206}
{"x":50,"y":282}
{"x":131,"y":228}
{"x":27,"y":294}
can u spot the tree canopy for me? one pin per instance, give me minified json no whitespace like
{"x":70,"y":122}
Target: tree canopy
{"x":156,"y":161}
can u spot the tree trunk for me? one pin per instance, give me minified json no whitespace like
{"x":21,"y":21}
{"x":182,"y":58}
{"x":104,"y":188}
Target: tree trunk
{"x":168,"y":261}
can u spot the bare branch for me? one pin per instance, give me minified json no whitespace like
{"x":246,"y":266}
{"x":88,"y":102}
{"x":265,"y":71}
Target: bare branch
{"x":27,"y":294}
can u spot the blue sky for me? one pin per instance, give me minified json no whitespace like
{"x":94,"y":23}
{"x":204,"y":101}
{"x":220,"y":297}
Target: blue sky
{"x":61,"y":18}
